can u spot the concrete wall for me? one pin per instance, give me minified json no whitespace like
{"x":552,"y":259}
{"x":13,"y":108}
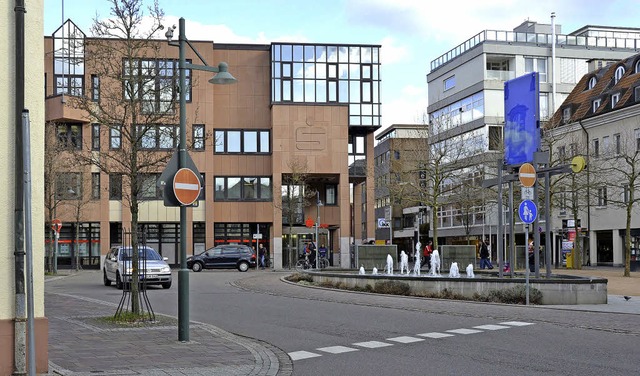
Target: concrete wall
{"x":34,"y":102}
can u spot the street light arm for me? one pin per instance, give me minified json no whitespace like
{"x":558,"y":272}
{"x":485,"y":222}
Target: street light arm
{"x":205,"y":68}
{"x":197,"y":53}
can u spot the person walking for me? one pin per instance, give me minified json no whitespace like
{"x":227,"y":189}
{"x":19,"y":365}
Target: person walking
{"x":485,"y":260}
{"x":261,"y":255}
{"x":428,"y":250}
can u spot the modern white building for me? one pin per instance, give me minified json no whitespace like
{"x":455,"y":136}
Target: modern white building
{"x":466,"y":95}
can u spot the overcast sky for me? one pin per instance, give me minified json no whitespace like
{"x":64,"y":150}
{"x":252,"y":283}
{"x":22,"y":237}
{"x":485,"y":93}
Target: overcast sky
{"x":411,"y":32}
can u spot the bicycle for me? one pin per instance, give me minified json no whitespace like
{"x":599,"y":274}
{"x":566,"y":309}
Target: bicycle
{"x":304,"y":263}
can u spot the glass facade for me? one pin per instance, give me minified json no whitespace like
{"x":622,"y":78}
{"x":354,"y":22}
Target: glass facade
{"x":306,"y":73}
{"x":68,"y":60}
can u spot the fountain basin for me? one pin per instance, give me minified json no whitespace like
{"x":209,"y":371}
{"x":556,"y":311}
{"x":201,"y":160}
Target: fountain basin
{"x":557,"y":290}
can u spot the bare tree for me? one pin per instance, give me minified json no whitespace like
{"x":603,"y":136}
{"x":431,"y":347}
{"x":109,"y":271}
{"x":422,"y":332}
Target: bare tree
{"x":620,"y":162}
{"x":78,"y":202}
{"x":134,"y":104}
{"x":296,"y":194}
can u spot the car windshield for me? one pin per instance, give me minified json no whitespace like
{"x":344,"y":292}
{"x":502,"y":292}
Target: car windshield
{"x":143,"y":253}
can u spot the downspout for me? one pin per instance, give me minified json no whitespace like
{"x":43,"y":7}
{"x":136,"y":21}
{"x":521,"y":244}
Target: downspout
{"x":20,"y":321}
{"x":588,"y":187}
{"x":553,"y":62}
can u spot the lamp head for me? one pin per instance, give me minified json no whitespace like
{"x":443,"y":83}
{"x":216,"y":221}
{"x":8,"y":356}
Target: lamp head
{"x":169,"y":33}
{"x":223,"y":77}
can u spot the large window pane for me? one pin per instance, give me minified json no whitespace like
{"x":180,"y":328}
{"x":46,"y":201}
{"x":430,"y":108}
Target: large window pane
{"x":250,"y":141}
{"x":264,"y":142}
{"x":219,"y":188}
{"x":234,"y":189}
{"x":250,"y":188}
{"x":265,"y":188}
{"x":219,"y":141}
{"x":233,"y":142}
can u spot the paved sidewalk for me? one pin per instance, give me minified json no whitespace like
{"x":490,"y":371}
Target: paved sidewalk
{"x":80,"y":344}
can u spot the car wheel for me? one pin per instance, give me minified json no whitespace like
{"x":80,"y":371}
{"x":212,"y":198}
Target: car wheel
{"x":105,"y":280}
{"x":243,"y":266}
{"x":119,"y":284}
{"x":196,"y":267}
{"x":166,"y":285}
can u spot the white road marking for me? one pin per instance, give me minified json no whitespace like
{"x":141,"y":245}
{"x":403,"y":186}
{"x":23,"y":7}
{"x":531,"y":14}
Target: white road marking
{"x":491,"y":327}
{"x":464,"y":331}
{"x":372,"y":344}
{"x":516,"y":323}
{"x":405,"y":339}
{"x":435,"y":335}
{"x":337,"y":349}
{"x":298,"y":355}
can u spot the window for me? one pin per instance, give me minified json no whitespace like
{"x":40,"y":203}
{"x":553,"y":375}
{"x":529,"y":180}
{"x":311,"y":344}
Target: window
{"x":596,"y":147}
{"x":158,"y":137}
{"x":544,"y":106}
{"x":68,"y":60}
{"x":637,"y":67}
{"x":246,"y":188}
{"x":203,"y":182}
{"x":532,"y":64}
{"x":637,"y":134}
{"x":636,"y":93}
{"x":95,"y":136}
{"x":198,"y":136}
{"x":242,"y":141}
{"x":592,"y":83}
{"x":596,"y":105}
{"x":95,"y":88}
{"x":449,"y":83}
{"x":606,"y":145}
{"x":618,"y":74}
{"x":95,"y":185}
{"x":153,"y":81}
{"x":115,"y":137}
{"x":614,"y":99}
{"x":331,"y":194}
{"x":617,"y":144}
{"x":148,"y":188}
{"x":566,"y":114}
{"x":396,"y":154}
{"x":625,"y":193}
{"x":602,"y":196}
{"x":115,"y":186}
{"x":69,"y":186}
{"x":69,"y":135}
{"x":562,"y":155}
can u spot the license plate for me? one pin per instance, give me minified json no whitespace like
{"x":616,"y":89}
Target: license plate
{"x":148,"y":276}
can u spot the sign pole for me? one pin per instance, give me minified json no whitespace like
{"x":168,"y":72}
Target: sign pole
{"x":526,"y":284}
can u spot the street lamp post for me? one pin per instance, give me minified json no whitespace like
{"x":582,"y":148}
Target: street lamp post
{"x":222,"y":77}
{"x":318,"y":204}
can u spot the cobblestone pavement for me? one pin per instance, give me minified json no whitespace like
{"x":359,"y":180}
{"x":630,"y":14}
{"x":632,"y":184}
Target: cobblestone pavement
{"x":82,"y":344}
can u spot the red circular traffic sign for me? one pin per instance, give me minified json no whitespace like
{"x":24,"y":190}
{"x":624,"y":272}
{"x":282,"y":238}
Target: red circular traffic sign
{"x":527,"y":175}
{"x":56,"y":225}
{"x":186,"y":186}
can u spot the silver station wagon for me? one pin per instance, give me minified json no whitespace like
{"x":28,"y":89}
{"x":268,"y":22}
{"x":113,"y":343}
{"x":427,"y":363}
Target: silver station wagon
{"x":152,"y":268}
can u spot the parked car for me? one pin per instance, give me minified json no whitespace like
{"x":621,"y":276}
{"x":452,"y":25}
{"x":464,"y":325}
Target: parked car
{"x":153,"y":268}
{"x":227,"y":256}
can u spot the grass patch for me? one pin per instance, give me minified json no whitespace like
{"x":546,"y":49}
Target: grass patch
{"x":513,"y":295}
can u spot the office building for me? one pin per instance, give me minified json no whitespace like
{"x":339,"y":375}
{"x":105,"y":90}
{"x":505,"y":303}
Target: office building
{"x":296,"y":109}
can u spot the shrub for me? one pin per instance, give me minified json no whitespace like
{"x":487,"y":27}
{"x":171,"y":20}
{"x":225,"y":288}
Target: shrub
{"x":513,"y":295}
{"x":392,"y":287}
{"x":299,"y":277}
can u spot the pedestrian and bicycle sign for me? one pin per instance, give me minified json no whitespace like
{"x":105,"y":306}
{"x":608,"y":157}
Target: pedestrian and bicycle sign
{"x":528,"y":211}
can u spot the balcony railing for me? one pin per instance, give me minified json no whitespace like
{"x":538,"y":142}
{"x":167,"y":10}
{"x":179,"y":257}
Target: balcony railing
{"x":534,"y":38}
{"x":499,"y":75}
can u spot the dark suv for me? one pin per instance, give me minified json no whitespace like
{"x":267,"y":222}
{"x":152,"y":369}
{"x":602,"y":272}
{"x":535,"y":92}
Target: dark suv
{"x":228,"y":256}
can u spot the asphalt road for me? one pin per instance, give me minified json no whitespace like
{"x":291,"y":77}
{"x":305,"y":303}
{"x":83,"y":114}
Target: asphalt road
{"x":330,"y":332}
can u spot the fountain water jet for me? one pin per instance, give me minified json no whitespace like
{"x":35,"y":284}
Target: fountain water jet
{"x":404,"y":263}
{"x":435,"y":263}
{"x":454,"y":272}
{"x":470,"y":271}
{"x":389,"y":268}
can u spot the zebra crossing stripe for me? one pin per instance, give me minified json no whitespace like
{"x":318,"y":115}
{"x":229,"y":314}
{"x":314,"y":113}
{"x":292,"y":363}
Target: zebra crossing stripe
{"x":491,"y":327}
{"x":372,"y":344}
{"x":298,"y":355}
{"x":516,"y":323}
{"x":435,"y":335}
{"x":337,"y":349}
{"x":405,"y":339}
{"x":464,"y":331}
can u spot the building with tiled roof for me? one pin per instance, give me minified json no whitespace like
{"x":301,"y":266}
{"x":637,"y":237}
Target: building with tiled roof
{"x":600,"y":120}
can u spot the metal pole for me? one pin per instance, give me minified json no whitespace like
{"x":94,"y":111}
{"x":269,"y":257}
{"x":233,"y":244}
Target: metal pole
{"x":553,"y":62}
{"x":317,"y":224}
{"x":390,"y":223}
{"x":257,"y":246}
{"x":547,"y":226}
{"x":527,"y":265}
{"x":536,"y":233}
{"x":31,"y":349}
{"x":499,"y":241}
{"x":183,"y":273}
{"x":512,"y":251}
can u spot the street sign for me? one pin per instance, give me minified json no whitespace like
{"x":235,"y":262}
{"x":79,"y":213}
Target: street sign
{"x":527,"y":175}
{"x":528,"y":211}
{"x":56,"y":225}
{"x":527,"y":193}
{"x":257,"y":236}
{"x":166,"y":179}
{"x":382,"y":223}
{"x":186,"y":186}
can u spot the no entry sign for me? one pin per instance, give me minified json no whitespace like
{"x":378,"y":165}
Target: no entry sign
{"x":186,"y":186}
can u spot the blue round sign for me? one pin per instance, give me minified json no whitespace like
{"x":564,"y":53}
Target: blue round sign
{"x":528,"y":211}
